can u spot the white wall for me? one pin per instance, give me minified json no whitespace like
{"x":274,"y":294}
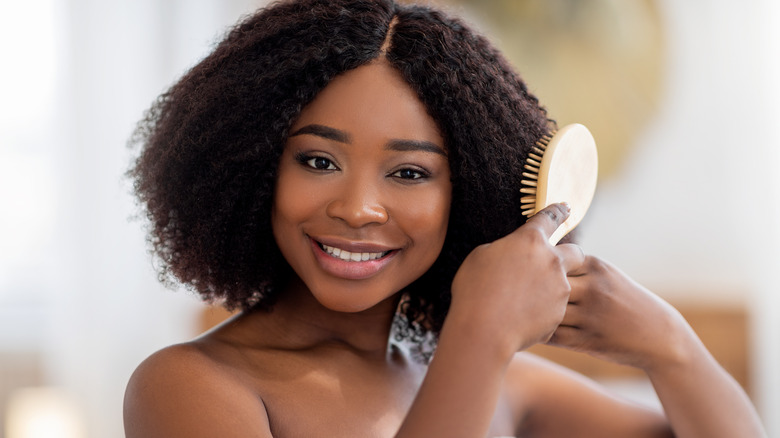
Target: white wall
{"x":695,"y":213}
{"x":109,"y":312}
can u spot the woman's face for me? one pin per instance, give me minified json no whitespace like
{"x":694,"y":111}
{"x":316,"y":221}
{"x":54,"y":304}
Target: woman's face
{"x":363,"y":192}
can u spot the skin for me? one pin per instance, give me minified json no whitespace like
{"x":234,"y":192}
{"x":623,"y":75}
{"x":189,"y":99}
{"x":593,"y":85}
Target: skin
{"x":365,"y":169}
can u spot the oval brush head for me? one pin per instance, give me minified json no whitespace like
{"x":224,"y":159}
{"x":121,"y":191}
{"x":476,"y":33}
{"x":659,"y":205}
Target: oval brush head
{"x":561,"y":168}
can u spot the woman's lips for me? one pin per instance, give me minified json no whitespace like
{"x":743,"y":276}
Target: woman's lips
{"x":363,"y":261}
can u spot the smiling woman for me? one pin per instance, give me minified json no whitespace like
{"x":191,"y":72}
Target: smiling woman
{"x":347,"y":173}
{"x":372,"y":164}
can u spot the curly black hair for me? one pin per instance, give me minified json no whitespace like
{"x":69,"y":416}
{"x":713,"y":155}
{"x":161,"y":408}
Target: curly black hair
{"x":210,"y":145}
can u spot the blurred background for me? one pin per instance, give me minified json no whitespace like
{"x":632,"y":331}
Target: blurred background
{"x":682,"y":97}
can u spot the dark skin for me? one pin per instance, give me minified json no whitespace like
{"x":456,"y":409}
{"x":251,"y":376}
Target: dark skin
{"x":365,"y":170}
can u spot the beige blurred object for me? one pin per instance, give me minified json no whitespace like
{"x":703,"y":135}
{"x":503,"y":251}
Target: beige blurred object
{"x":18,"y":369}
{"x":211,"y":316}
{"x":595,"y":62}
{"x":43,"y":412}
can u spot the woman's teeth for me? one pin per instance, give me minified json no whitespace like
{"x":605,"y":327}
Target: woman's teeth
{"x":352,"y":256}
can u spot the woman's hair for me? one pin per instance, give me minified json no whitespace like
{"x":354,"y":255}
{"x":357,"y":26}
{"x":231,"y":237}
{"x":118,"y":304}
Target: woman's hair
{"x":211,"y":144}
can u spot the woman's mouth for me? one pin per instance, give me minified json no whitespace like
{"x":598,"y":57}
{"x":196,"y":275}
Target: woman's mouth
{"x":351,"y":256}
{"x":363,"y":261}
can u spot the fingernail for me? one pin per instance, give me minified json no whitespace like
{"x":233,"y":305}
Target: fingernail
{"x":566,"y":206}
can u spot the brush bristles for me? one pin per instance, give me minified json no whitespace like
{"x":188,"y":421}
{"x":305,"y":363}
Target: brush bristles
{"x":532,"y":164}
{"x":531,"y":168}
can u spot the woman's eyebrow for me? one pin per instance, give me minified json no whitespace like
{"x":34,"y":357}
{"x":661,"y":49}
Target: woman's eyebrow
{"x":415,"y":145}
{"x":324,"y":132}
{"x":393,"y":145}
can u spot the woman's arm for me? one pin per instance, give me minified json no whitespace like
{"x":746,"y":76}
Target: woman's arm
{"x":612,"y":317}
{"x":701,"y":399}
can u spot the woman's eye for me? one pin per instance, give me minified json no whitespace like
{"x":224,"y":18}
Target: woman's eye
{"x":409,"y":174}
{"x":320,"y":163}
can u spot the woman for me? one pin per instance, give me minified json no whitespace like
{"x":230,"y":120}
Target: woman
{"x":346,"y":173}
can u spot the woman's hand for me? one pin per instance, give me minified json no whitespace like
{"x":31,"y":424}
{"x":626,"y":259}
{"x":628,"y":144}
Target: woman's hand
{"x":506,"y":296}
{"x":515,"y":289}
{"x":612,"y":317}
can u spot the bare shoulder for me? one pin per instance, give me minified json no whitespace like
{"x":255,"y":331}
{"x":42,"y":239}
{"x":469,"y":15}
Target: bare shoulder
{"x":533,"y":374}
{"x":181,"y":391}
{"x":542,"y":392}
{"x":529,"y":380}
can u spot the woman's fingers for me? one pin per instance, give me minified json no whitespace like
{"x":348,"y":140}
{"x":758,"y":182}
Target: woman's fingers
{"x":547,"y":221}
{"x":579,"y":282}
{"x":549,"y":218}
{"x":563,"y":335}
{"x":572,"y":257}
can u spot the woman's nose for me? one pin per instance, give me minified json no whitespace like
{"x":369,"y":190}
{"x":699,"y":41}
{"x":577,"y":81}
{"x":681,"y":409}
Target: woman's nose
{"x":358,"y":205}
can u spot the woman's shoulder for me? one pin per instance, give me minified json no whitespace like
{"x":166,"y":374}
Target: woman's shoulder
{"x":176,"y":362}
{"x":182,"y":390}
{"x":526,"y":379}
{"x":526,"y":366}
{"x":541,"y":391}
{"x":538,"y":385}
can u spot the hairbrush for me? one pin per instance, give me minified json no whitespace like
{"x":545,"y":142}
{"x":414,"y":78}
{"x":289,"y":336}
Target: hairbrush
{"x":562,"y":167}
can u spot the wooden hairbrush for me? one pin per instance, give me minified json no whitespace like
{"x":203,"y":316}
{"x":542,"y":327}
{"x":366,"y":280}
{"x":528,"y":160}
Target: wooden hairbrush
{"x":562,"y":167}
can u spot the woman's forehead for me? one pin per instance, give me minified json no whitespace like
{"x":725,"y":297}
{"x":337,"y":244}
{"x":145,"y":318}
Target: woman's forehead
{"x":372,"y":97}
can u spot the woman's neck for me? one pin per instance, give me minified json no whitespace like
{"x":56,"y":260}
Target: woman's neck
{"x":298,"y":321}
